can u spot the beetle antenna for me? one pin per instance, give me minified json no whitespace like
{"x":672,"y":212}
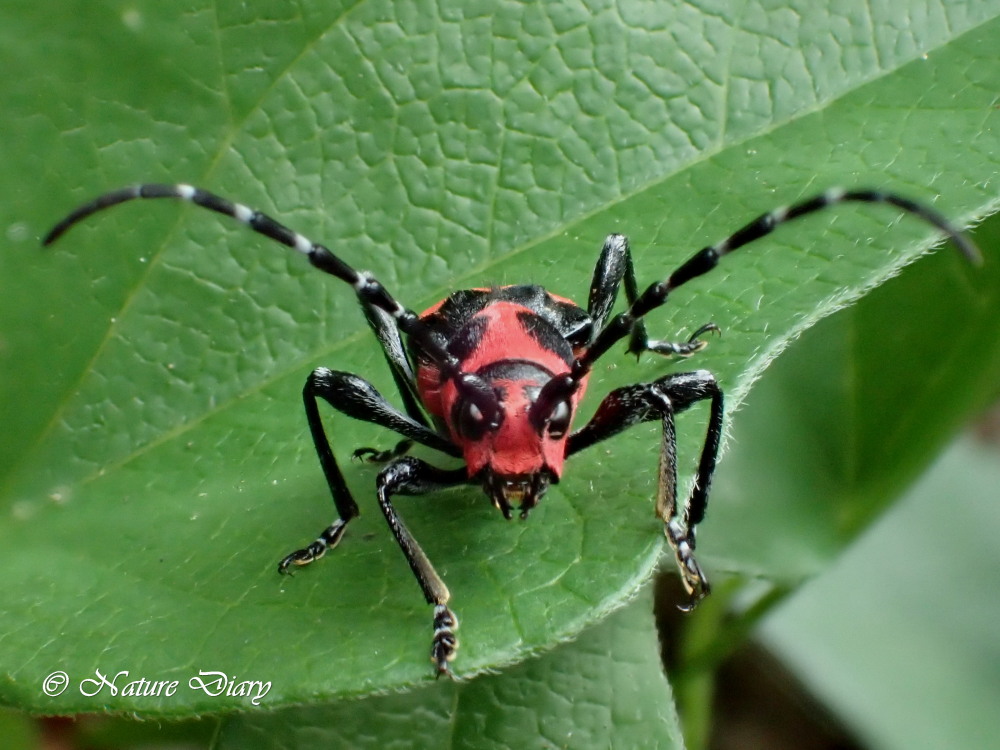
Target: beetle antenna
{"x":706,"y":259}
{"x":368,"y":288}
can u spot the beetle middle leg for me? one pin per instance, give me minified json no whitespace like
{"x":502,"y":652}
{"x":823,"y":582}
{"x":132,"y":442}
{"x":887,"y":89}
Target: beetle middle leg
{"x":615,"y":266}
{"x":386,"y":331}
{"x":411,"y":476}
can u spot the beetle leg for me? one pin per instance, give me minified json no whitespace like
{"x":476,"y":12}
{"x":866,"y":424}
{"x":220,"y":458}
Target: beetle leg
{"x":639,"y":342}
{"x":680,"y":522}
{"x":387,"y":332}
{"x":355,"y":397}
{"x":411,"y":476}
{"x":374,"y":456}
{"x":615,"y":266}
{"x":662,"y":399}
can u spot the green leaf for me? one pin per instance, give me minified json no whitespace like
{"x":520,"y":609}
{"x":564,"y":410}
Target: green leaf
{"x":602,"y":690}
{"x":157,"y":465}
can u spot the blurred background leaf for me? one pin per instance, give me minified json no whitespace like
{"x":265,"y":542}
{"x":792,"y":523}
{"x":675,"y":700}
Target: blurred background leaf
{"x":899,"y":639}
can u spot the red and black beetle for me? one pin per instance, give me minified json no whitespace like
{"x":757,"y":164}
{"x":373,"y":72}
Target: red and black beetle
{"x":495,"y":375}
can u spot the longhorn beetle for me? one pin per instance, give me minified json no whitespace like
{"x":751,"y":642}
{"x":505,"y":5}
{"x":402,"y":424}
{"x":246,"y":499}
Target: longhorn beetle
{"x":495,"y":375}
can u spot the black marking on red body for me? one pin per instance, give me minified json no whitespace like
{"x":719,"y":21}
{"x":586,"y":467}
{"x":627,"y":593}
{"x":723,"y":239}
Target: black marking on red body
{"x":462,"y":324}
{"x":547,"y":336}
{"x":468,"y":338}
{"x":451,"y":315}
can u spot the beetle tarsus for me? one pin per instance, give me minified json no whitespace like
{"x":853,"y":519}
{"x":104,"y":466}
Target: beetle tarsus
{"x":639,"y":342}
{"x":375,"y":456}
{"x":695,"y":581}
{"x":445,"y":643}
{"x":328,"y":539}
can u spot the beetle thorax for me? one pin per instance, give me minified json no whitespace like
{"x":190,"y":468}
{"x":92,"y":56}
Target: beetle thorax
{"x":516,"y":352}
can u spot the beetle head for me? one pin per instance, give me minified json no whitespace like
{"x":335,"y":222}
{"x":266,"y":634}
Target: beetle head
{"x":512,"y":430}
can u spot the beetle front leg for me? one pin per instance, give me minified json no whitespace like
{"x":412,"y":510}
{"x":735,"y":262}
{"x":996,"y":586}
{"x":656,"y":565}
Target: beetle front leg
{"x":411,"y":476}
{"x":663,"y":399}
{"x":680,"y":522}
{"x":355,"y":397}
{"x":317,"y":386}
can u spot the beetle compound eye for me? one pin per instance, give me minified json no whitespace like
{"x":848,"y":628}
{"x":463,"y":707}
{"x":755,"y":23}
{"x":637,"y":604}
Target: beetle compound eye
{"x":559,"y":419}
{"x":471,"y":423}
